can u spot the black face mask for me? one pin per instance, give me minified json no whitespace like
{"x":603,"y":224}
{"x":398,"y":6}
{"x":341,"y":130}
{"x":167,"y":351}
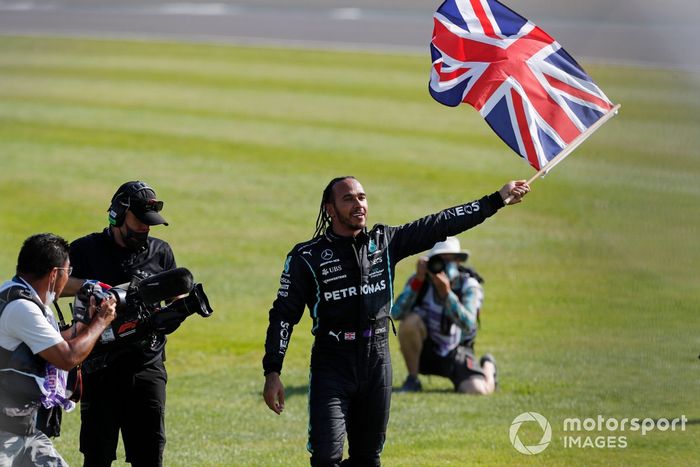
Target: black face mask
{"x":134,"y":240}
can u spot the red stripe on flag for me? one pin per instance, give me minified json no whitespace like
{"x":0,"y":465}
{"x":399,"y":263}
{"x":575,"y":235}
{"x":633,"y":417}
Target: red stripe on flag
{"x":447,"y":76}
{"x":484,"y":19}
{"x":546,"y":107}
{"x":524,"y":130}
{"x":482,"y":89}
{"x":576,"y":92}
{"x":505,"y":63}
{"x":465,"y":49}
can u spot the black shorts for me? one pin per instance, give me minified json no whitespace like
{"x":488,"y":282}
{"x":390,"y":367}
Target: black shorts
{"x":458,"y":365}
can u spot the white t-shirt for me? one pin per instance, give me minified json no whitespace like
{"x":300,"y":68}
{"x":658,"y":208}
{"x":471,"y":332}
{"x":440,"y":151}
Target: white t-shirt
{"x":23,"y":321}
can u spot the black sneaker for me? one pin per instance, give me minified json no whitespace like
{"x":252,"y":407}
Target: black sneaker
{"x":412,"y":384}
{"x":487,"y":357}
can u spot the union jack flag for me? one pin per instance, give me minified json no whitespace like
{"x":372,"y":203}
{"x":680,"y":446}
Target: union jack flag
{"x":531,"y":92}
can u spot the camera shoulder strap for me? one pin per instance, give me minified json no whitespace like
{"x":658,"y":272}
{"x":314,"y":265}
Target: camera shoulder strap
{"x":61,"y":321}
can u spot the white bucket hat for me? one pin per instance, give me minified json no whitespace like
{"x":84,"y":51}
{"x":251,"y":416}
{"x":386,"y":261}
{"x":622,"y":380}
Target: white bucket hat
{"x":450,"y":246}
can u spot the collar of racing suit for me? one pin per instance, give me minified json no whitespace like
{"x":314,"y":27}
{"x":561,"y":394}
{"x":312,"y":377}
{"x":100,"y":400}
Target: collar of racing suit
{"x":362,"y":237}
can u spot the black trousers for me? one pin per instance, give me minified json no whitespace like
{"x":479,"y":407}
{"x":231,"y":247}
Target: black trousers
{"x":121,"y":397}
{"x":349,"y":393}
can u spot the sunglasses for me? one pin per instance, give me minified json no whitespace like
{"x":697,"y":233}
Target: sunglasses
{"x":148,"y":205}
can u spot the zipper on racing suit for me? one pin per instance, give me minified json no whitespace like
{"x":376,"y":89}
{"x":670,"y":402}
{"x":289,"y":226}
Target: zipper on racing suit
{"x":364,"y":350}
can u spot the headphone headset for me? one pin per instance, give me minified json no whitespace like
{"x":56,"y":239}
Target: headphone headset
{"x":121,"y":201}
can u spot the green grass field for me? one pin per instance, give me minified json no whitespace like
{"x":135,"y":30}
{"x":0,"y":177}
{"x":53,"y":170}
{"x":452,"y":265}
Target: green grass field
{"x":592,"y":290}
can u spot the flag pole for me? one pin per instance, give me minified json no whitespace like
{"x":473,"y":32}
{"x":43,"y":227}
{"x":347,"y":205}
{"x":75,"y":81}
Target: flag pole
{"x":573,"y":145}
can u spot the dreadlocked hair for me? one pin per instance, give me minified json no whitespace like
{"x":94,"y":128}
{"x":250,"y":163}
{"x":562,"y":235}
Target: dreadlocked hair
{"x":323,"y":221}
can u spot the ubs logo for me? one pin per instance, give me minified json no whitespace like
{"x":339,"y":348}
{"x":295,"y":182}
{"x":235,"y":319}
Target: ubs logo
{"x":326,"y":255}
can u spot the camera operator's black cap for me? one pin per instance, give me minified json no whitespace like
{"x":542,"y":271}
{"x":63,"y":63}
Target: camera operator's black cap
{"x":140,"y":199}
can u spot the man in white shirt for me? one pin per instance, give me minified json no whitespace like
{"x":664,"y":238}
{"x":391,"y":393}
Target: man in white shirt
{"x":34,"y":355}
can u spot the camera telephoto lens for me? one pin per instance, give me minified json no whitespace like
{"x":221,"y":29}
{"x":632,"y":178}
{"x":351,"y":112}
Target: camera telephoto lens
{"x":436,"y":264}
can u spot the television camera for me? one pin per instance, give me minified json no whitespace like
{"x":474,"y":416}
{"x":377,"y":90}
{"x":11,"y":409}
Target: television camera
{"x":157,"y":303}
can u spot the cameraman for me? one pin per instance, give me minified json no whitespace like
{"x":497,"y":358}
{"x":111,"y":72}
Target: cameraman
{"x":34,"y":355}
{"x":439,"y":309}
{"x":124,"y":387}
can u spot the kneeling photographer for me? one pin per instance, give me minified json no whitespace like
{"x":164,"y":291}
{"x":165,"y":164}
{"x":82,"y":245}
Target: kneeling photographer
{"x":124,"y":378}
{"x":439,"y":311}
{"x":35,"y":355}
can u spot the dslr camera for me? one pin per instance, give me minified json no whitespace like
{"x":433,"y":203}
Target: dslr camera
{"x":157,"y":303}
{"x":436,"y":264}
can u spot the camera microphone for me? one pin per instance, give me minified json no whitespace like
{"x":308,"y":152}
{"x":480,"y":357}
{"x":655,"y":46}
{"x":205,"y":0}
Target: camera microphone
{"x":166,"y":285}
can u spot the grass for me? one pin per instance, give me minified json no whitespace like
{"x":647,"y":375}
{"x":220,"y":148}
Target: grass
{"x":592,"y":290}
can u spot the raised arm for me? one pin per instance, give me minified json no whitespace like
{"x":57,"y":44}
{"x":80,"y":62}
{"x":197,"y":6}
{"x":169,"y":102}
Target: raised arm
{"x":423,"y":233}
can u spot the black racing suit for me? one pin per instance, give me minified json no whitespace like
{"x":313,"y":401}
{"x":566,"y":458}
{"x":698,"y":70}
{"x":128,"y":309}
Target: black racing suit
{"x":123,"y":389}
{"x":347,"y":284}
